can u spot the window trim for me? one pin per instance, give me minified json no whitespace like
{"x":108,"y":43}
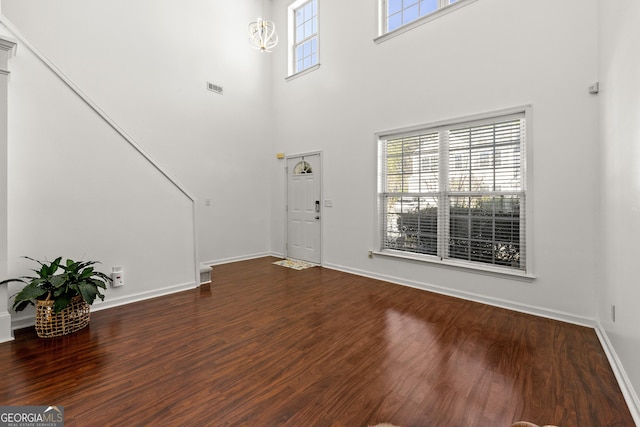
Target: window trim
{"x":384,"y":35}
{"x":477,"y":267}
{"x":302,"y":73}
{"x":291,"y":41}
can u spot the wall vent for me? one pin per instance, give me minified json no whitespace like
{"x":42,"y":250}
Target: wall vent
{"x":214,"y":88}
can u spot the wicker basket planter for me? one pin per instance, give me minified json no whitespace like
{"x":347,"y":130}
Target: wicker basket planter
{"x":72,"y":318}
{"x":62,"y":293}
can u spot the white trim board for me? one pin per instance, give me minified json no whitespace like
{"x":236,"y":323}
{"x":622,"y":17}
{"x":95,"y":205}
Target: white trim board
{"x":277,"y":255}
{"x":142,"y":296}
{"x":495,"y":302}
{"x":28,"y":320}
{"x":5,"y":325}
{"x":236,"y":259}
{"x":629,"y":393}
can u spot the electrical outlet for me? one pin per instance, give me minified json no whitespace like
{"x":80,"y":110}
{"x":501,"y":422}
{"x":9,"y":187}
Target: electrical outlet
{"x":117,"y":277}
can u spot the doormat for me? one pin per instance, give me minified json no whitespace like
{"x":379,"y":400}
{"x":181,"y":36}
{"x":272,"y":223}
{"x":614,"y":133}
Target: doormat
{"x":295,"y":264}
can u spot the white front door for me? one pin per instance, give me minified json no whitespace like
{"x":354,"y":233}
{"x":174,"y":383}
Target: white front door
{"x":303,"y":208}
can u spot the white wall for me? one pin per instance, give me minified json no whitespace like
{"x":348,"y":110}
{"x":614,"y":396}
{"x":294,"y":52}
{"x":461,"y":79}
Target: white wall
{"x":146,"y":63}
{"x":78,"y":189}
{"x":489,"y":55}
{"x":620,"y":152}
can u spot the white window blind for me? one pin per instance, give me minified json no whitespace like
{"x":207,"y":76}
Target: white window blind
{"x":456,"y":192}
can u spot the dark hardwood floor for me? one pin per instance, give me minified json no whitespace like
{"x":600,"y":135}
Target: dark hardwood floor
{"x":267,"y":346}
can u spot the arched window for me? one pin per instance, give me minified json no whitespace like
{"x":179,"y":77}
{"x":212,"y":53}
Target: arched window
{"x":302,"y":168}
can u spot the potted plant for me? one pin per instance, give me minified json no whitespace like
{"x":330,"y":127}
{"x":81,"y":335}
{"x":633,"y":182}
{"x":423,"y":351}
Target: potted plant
{"x":61,"y":293}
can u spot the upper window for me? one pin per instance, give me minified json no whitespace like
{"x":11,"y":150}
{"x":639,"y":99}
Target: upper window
{"x":397,"y":14}
{"x":400,"y":12}
{"x":456,"y":192}
{"x":303,"y":17}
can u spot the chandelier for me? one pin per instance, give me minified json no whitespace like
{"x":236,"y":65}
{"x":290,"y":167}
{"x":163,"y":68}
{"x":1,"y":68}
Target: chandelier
{"x":262,"y":35}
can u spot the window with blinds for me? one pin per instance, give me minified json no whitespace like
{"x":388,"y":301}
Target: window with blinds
{"x":456,"y":192}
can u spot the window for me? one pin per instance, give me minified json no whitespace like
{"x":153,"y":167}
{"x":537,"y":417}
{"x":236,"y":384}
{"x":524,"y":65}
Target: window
{"x":455,"y":193}
{"x":302,"y":168}
{"x":303,"y":35}
{"x":397,"y":14}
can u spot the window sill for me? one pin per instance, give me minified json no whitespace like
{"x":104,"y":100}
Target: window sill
{"x":459,"y":265}
{"x":302,"y":73}
{"x":422,"y":20}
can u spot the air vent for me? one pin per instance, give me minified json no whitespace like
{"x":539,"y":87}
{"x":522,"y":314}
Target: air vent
{"x":214,"y":88}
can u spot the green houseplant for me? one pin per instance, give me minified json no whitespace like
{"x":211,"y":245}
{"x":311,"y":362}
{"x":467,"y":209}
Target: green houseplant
{"x":62,"y":294}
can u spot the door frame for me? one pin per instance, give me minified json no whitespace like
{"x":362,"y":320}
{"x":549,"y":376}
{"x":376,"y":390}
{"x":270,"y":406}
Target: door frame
{"x":286,"y":199}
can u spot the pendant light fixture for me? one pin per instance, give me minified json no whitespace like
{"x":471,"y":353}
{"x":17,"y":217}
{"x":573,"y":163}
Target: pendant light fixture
{"x":262,"y":34}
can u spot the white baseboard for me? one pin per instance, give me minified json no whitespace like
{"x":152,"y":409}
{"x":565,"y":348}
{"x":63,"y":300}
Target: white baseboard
{"x":141,"y":296}
{"x":236,"y":259}
{"x":495,"y":302}
{"x":629,"y":393}
{"x":5,"y":327}
{"x":23,"y":320}
{"x":28,"y":320}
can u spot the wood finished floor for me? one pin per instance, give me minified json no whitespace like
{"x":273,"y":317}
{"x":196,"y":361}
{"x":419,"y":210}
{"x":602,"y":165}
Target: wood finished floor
{"x":269,"y":346}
